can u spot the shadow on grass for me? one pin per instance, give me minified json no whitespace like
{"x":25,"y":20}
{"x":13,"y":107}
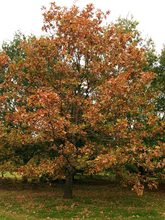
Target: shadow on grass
{"x":94,"y":199}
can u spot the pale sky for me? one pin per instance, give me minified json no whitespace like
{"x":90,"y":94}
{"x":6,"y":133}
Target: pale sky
{"x":26,"y":16}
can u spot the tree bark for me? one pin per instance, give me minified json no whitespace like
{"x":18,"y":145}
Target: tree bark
{"x":68,"y":187}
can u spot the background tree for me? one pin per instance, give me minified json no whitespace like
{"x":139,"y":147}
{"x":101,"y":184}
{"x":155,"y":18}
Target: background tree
{"x":159,"y":84}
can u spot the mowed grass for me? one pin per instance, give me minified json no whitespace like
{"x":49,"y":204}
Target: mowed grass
{"x":20,"y":202}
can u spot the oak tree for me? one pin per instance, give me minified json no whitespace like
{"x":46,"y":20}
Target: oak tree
{"x":82,"y":92}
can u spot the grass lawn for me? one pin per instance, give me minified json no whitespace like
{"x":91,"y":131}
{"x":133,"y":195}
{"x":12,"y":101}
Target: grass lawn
{"x":20,"y":202}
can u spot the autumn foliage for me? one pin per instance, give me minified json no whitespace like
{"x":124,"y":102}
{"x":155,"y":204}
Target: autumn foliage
{"x":81,"y":98}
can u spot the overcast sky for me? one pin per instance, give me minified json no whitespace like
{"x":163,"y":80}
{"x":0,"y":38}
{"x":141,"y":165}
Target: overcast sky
{"x":26,"y":16}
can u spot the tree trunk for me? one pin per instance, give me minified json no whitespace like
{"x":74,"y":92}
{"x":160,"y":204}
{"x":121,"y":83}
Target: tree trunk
{"x":24,"y":179}
{"x":68,"y":187}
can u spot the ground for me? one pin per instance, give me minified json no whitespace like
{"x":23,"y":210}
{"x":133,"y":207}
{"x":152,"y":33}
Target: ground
{"x":91,"y":201}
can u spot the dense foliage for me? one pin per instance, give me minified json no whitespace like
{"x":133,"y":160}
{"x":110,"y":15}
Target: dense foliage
{"x":80,"y":100}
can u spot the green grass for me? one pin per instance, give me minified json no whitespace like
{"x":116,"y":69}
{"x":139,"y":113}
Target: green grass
{"x":13,"y":175}
{"x":18,"y":202}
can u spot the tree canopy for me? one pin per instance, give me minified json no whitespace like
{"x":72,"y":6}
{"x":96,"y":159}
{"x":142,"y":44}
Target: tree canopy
{"x":79,"y":100}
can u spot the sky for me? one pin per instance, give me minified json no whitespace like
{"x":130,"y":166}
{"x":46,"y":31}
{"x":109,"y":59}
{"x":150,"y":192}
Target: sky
{"x":26,"y":16}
